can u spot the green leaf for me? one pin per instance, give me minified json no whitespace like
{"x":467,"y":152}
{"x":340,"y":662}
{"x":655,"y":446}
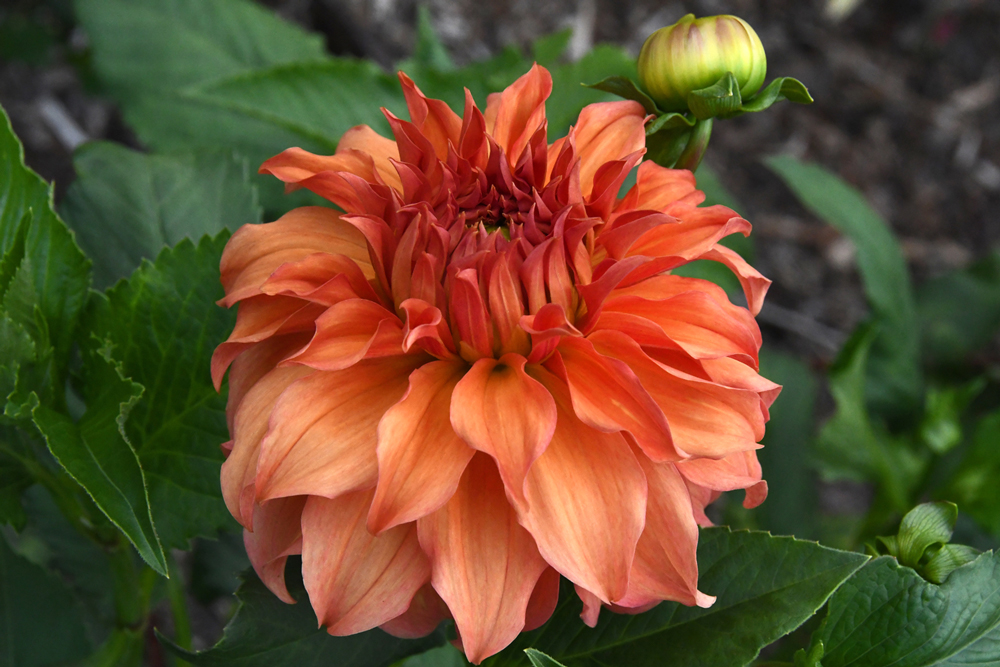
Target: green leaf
{"x":126,"y":206}
{"x":162,"y":325}
{"x":850,"y":445}
{"x":766,"y":587}
{"x":216,"y":566}
{"x":152,"y":47}
{"x":924,"y":526}
{"x":787,"y":451}
{"x":888,"y":615}
{"x":784,"y":88}
{"x":40,"y":622}
{"x":429,"y":52}
{"x":539,"y":659}
{"x":721,"y":99}
{"x":895,"y":375}
{"x":14,"y":479}
{"x":549,"y":49}
{"x":442,"y":656}
{"x":623,"y":86}
{"x":317,"y":101}
{"x":266,"y":632}
{"x":569,"y":95}
{"x":941,"y":426}
{"x":960,"y":311}
{"x":973,"y":485}
{"x":947,"y":559}
{"x":52,"y":274}
{"x":98,"y":455}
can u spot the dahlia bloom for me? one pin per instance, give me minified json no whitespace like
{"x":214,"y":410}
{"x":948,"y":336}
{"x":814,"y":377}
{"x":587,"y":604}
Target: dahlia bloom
{"x":481,"y":375}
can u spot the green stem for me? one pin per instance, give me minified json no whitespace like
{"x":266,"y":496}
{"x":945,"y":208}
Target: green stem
{"x":130,"y":605}
{"x":696,"y":146}
{"x":178,"y":608}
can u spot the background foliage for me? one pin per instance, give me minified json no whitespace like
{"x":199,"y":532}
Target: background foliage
{"x":109,"y":457}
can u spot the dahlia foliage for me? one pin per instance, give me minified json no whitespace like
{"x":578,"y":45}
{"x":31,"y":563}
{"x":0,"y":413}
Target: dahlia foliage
{"x":482,"y":376}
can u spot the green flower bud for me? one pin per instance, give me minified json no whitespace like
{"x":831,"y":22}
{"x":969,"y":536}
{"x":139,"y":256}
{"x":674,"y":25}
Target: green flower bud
{"x":695,"y":53}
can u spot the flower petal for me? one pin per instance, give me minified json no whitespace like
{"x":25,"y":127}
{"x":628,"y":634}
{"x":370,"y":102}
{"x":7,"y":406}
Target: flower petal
{"x":249,"y":426}
{"x":586,"y":500}
{"x":608,"y":396}
{"x":382,"y":150}
{"x":666,"y":563}
{"x":355,"y":580}
{"x":498,"y":409}
{"x":350,"y":331}
{"x":543,"y":600}
{"x":420,"y":457}
{"x":321,"y":439}
{"x":754,"y":285}
{"x":483,"y":563}
{"x":740,"y":470}
{"x":607,"y":131}
{"x":519,"y":111}
{"x":425,"y":613}
{"x":277,"y":535}
{"x":256,"y":251}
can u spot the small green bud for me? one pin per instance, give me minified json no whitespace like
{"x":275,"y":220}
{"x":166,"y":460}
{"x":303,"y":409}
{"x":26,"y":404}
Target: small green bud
{"x":695,"y":53}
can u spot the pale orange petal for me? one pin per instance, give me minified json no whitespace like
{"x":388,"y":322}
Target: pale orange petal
{"x":498,"y":409}
{"x":740,"y":470}
{"x":483,"y":563}
{"x":608,"y":396}
{"x":666,"y":563}
{"x":256,"y":251}
{"x":607,"y":131}
{"x":321,"y":439}
{"x":350,"y":331}
{"x":277,"y":534}
{"x":520,"y":111}
{"x":249,"y":426}
{"x":586,"y":500}
{"x":543,"y":600}
{"x":754,"y":285}
{"x":425,"y":613}
{"x":657,"y":187}
{"x":420,"y":457}
{"x":355,"y":580}
{"x":382,"y":150}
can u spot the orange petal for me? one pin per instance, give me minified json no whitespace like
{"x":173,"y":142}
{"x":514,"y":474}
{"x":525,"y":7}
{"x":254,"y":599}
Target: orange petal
{"x":666,"y":563}
{"x":695,"y":234}
{"x":754,"y":285}
{"x":436,"y":120}
{"x":321,"y":439}
{"x":255,"y":363}
{"x":249,"y":426}
{"x":483,"y":563}
{"x":420,"y":457}
{"x":314,"y":277}
{"x":740,"y":470}
{"x":425,"y":613}
{"x":277,"y":535}
{"x":543,"y":600}
{"x":382,"y":150}
{"x":657,"y":187}
{"x":705,"y":419}
{"x":520,"y":111}
{"x":350,"y":331}
{"x":608,"y":396}
{"x":586,"y":500}
{"x":498,"y":409}
{"x":294,"y":165}
{"x":605,"y":132}
{"x":256,"y":251}
{"x":357,"y":581}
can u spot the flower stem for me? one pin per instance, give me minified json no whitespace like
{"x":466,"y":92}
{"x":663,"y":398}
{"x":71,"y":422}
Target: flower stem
{"x":696,"y":146}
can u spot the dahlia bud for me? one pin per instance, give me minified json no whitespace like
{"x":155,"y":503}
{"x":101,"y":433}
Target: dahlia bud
{"x":695,"y":53}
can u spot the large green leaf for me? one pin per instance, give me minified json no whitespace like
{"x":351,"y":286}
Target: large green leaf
{"x":974,"y":485}
{"x":40,"y":622}
{"x":895,"y":367}
{"x":98,"y":455}
{"x":850,"y":445}
{"x":44,"y":269}
{"x":318,"y":101}
{"x":888,"y":615}
{"x":126,"y":206}
{"x":766,"y":587}
{"x":162,"y":326}
{"x":266,"y":632}
{"x":152,"y":47}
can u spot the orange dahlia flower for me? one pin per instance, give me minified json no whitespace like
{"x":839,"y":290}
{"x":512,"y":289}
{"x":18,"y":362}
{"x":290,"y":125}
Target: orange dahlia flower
{"x":481,"y":375}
